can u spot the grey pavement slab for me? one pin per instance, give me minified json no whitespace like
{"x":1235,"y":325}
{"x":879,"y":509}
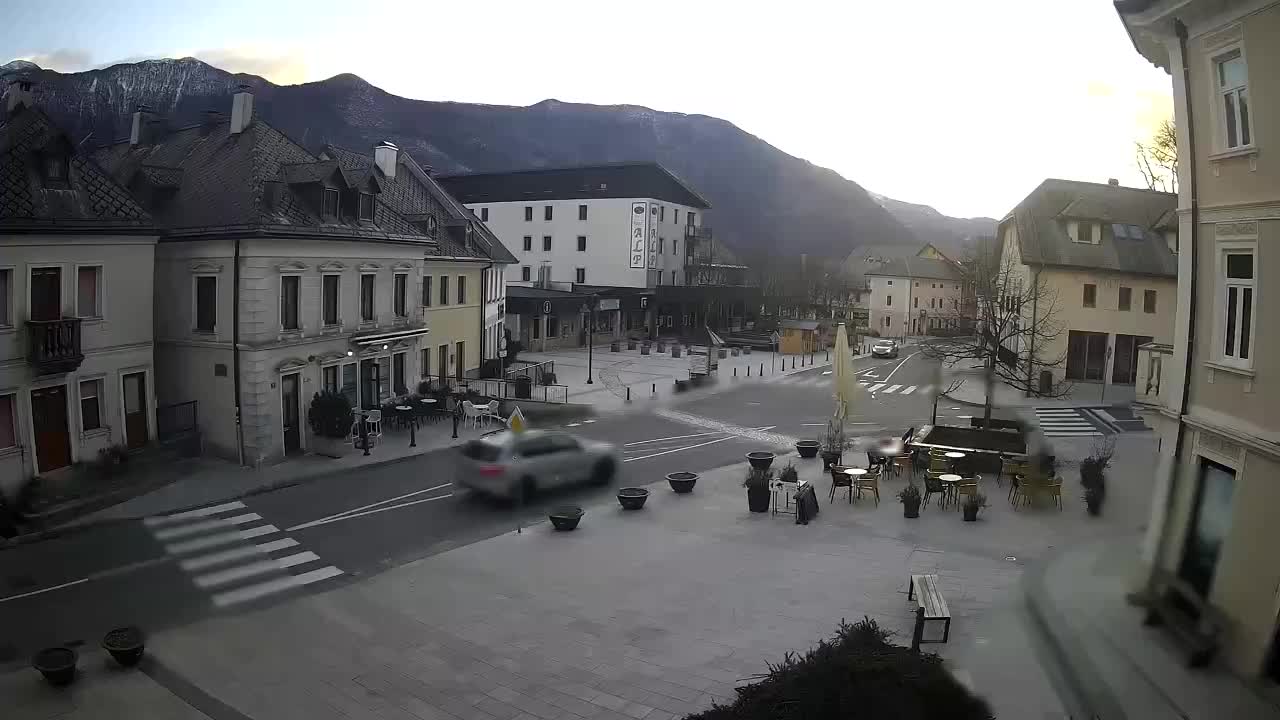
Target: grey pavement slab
{"x":102,"y":691}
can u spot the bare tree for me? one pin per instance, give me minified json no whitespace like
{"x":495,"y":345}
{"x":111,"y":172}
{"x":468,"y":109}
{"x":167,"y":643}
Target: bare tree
{"x":1158,"y":159}
{"x":1014,"y":325}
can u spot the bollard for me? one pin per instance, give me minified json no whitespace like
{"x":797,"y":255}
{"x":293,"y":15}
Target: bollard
{"x":653,"y":389}
{"x":455,"y":421}
{"x":793,"y":362}
{"x":828,"y":356}
{"x":735,"y":372}
{"x":413,"y":438}
{"x":761,"y":370}
{"x":364,"y":434}
{"x":748,"y":371}
{"x":628,"y":393}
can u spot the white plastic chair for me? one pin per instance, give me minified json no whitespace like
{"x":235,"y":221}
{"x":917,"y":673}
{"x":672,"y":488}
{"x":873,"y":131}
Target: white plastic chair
{"x":489,"y":411}
{"x":373,"y":418}
{"x":470,"y":414}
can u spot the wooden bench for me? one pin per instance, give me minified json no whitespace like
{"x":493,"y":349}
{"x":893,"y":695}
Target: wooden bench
{"x":931,"y":606}
{"x":1195,"y":624}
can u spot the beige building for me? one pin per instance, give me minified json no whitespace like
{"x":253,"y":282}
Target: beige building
{"x":1211,"y":393}
{"x":280,"y":273}
{"x":1104,"y":259}
{"x":76,"y":370}
{"x":915,"y":295}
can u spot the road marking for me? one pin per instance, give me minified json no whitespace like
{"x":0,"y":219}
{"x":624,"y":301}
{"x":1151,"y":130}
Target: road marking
{"x":218,"y":558}
{"x":573,"y":425}
{"x":192,"y":514}
{"x":673,"y":437}
{"x":222,"y":577}
{"x":899,"y":367}
{"x":352,"y":514}
{"x":212,"y":541}
{"x":44,"y":590}
{"x":814,"y":424}
{"x":909,"y":390}
{"x":370,"y":505}
{"x":826,"y":372}
{"x":253,"y":592}
{"x":874,"y":388}
{"x":688,"y":447}
{"x":893,"y":389}
{"x":587,"y":422}
{"x":207,"y":525}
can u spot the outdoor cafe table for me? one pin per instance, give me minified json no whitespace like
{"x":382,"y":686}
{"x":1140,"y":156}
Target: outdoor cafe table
{"x":405,"y":414}
{"x":950,"y":482}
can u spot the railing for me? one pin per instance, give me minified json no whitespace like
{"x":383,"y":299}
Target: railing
{"x":500,"y":389}
{"x":53,"y":346}
{"x":697,"y":232}
{"x":174,"y":421}
{"x":540,"y":373}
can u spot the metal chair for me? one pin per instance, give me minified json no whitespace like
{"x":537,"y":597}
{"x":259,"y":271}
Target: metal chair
{"x":968,"y":486}
{"x":933,"y":486}
{"x":840,"y":480}
{"x":870,"y":482}
{"x":373,"y":419}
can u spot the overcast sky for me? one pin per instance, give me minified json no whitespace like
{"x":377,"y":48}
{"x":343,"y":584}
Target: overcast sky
{"x":963,"y":106}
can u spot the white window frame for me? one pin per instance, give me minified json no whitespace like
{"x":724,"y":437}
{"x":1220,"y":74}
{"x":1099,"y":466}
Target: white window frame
{"x":373,"y":207}
{"x":360,"y":300}
{"x":13,"y":423}
{"x":1221,"y":285}
{"x":1216,"y":58}
{"x":324,"y":203}
{"x":580,"y":275}
{"x":280,"y":307}
{"x":100,"y":381}
{"x":6,"y":317}
{"x":195,"y":303}
{"x":336,"y":366}
{"x":338,"y":319}
{"x":395,"y":277}
{"x":100,"y":300}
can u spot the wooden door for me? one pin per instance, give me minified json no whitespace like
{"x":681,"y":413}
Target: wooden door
{"x":49,"y":420}
{"x":289,"y":413}
{"x":46,"y":293}
{"x":459,"y":367}
{"x":134,"y":388}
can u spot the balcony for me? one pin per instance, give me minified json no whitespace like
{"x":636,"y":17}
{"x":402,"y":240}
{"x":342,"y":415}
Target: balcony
{"x":53,"y":346}
{"x":697,"y":232}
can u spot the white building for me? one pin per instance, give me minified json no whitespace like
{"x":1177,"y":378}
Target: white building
{"x":915,"y":295}
{"x":76,"y":371}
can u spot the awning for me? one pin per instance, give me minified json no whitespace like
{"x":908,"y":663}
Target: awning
{"x":388,"y":337}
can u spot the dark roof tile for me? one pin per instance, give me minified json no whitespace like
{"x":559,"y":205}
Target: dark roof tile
{"x":613,"y":180}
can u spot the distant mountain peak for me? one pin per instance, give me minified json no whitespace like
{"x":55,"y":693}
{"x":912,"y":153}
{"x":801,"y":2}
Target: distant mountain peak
{"x":17,"y":65}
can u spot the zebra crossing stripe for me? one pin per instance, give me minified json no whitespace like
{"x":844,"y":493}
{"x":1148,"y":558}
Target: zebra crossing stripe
{"x":205,"y":526}
{"x":893,"y":389}
{"x":226,"y":556}
{"x":875,"y":388}
{"x":909,"y":390}
{"x":240,"y":572}
{"x":192,"y":514}
{"x":263,"y":589}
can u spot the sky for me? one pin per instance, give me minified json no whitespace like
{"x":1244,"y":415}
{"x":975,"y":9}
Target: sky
{"x":962,"y":106}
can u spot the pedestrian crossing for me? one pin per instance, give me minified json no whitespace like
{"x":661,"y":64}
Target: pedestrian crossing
{"x":877,"y":388}
{"x":1065,"y":422}
{"x":236,"y":555}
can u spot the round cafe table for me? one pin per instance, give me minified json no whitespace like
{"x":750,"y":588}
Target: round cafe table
{"x":855,"y":472}
{"x":949,"y":483}
{"x":954,"y":455}
{"x":405,"y":414}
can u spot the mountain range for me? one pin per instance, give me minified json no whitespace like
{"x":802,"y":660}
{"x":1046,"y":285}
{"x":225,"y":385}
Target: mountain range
{"x":763,"y":199}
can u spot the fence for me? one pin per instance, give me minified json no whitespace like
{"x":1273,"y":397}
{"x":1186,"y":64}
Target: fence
{"x":543,"y":373}
{"x":499,"y":389}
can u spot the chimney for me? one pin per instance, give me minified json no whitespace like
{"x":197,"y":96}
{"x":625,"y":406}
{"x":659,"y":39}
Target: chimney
{"x":241,"y":109}
{"x":141,"y":132}
{"x":1113,"y":182}
{"x":384,"y":156}
{"x":19,"y":95}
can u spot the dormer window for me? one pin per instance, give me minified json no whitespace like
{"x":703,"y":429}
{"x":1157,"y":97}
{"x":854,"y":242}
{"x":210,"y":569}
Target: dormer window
{"x":431,"y":226}
{"x":55,"y":170}
{"x":330,"y":202}
{"x":366,"y":206}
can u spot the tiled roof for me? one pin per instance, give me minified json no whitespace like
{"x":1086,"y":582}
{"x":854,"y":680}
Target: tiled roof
{"x":1041,"y":221}
{"x":91,"y":197}
{"x":613,"y":180}
{"x":918,"y":267}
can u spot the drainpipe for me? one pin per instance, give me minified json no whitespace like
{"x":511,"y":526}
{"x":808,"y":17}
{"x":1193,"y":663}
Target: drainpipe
{"x":484,"y":303}
{"x":235,"y":346}
{"x":1035,"y":321}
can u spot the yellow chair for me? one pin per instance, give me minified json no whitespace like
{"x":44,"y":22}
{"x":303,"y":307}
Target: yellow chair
{"x":966,"y":487}
{"x":871,"y":482}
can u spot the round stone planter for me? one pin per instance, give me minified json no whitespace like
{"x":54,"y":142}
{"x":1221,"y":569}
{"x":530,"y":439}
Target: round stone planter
{"x":807,"y":448}
{"x":735,"y":351}
{"x":57,"y":664}
{"x":615,"y":347}
{"x":662,"y":347}
{"x":565,"y":517}
{"x":631,"y":344}
{"x":746,"y":351}
{"x":758,"y":500}
{"x":125,"y":645}
{"x":632,"y":498}
{"x":830,"y":457}
{"x":682,"y":482}
{"x":644,"y":349}
{"x":675,"y":351}
{"x":722,"y":353}
{"x":760,"y":460}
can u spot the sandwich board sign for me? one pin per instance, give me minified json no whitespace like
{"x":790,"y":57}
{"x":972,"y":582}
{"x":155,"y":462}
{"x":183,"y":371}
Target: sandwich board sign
{"x":516,"y":423}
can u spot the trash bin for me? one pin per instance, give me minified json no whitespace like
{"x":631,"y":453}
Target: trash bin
{"x":524,"y":387}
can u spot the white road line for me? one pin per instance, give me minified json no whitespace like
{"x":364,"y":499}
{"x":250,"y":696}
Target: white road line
{"x":1073,"y":434}
{"x":899,"y":367}
{"x":222,"y":577}
{"x":351,"y":515}
{"x":893,"y":389}
{"x":826,"y":372}
{"x":874,"y":388}
{"x":253,"y":592}
{"x":207,"y":525}
{"x":370,"y":505}
{"x":689,"y":447}
{"x":44,"y":590}
{"x":218,"y":558}
{"x":192,"y":514}
{"x":212,"y":541}
{"x":910,"y":389}
{"x":673,"y":437}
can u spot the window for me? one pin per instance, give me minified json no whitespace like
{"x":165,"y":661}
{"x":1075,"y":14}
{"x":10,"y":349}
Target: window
{"x":384,"y":378}
{"x":676,"y":219}
{"x":673,"y":246}
{"x":329,"y":300}
{"x":673,"y":277}
{"x":426,"y":362}
{"x":1237,"y":313}
{"x":89,"y":292}
{"x":442,"y":360}
{"x":329,"y":378}
{"x":888,"y":300}
{"x":366,"y":206}
{"x":1148,"y":301}
{"x":367,"y":309}
{"x":582,"y":212}
{"x":1090,"y":295}
{"x":917,"y":300}
{"x":662,"y":245}
{"x":580,"y":275}
{"x":1085,"y":233}
{"x":6,"y":297}
{"x":546,"y":243}
{"x":400,"y":304}
{"x":524,"y":273}
{"x":689,"y":218}
{"x":289,"y":301}
{"x":528,"y":213}
{"x":528,"y":243}
{"x":955,"y":304}
{"x":662,"y":213}
{"x":1126,"y":298}
{"x":582,"y":243}
{"x":546,"y":212}
{"x":462,"y":289}
{"x":426,"y":291}
{"x":330,"y":203}
{"x":931,"y":301}
{"x":8,"y":424}
{"x":55,"y":170}
{"x":484,"y":214}
{"x":206,"y":303}
{"x":349,"y":383}
{"x":90,"y":405}
{"x":889,"y":282}
{"x":444,"y":289}
{"x":397,"y":373}
{"x":1234,"y":88}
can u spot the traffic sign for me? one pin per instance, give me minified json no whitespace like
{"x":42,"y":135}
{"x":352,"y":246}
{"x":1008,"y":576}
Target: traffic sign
{"x":516,"y":423}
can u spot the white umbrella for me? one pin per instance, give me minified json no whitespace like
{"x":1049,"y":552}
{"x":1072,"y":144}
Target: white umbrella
{"x":847,"y":391}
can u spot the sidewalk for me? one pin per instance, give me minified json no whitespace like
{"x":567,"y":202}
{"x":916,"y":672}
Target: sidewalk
{"x":973,"y":391}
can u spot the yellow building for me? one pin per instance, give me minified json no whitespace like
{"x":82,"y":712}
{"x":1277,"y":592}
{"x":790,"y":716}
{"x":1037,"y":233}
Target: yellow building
{"x":1211,"y":394}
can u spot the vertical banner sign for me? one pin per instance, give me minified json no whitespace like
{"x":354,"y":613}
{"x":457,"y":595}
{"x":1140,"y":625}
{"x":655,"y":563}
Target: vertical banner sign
{"x":638,"y":234}
{"x":653,"y":235}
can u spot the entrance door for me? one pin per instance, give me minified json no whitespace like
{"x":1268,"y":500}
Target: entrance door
{"x":46,"y":293}
{"x":459,"y":365}
{"x":135,"y":409}
{"x":1086,"y":355}
{"x":1209,"y":526}
{"x":369,"y":384}
{"x":49,"y":420}
{"x":289,"y":398}
{"x":1125,"y":366}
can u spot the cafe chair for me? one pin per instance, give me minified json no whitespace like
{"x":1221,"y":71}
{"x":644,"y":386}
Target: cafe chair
{"x":869,"y":482}
{"x":1054,"y":490}
{"x":840,"y":480}
{"x":966,"y":487}
{"x":373,"y":418}
{"x":933,"y":486}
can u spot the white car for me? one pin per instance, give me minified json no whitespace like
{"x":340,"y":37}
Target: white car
{"x":885,"y":349}
{"x":504,"y":464}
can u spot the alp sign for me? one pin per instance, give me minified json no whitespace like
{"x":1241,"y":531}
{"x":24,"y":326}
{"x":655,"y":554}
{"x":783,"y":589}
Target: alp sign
{"x":639,"y":234}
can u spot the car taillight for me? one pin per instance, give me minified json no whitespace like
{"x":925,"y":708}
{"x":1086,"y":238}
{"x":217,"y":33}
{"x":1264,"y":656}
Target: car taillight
{"x":492,"y":470}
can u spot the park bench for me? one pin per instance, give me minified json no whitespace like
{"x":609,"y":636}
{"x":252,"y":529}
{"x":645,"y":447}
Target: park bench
{"x":1196,"y":625}
{"x":930,"y":606}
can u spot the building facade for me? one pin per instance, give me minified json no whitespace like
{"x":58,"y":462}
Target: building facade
{"x":915,"y":295}
{"x":77,"y":371}
{"x":1211,"y":394}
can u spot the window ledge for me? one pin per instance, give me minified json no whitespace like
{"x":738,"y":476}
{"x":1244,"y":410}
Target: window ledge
{"x":1234,"y":153}
{"x":1245,"y":372}
{"x":95,"y":433}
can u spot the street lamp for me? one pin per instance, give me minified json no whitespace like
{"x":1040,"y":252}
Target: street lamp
{"x":591,"y":332}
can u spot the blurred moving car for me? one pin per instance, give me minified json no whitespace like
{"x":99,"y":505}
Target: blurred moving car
{"x":503,"y":464}
{"x":885,"y":349}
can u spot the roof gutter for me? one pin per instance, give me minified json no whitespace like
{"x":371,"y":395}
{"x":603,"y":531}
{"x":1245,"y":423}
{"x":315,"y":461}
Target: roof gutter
{"x":235,"y":346}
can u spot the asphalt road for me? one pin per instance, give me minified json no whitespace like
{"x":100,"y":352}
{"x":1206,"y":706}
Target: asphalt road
{"x":76,"y":587}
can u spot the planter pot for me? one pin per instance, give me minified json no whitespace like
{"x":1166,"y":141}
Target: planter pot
{"x":722,"y":353}
{"x":758,"y":499}
{"x":830,"y":457}
{"x":615,"y":347}
{"x":675,"y":351}
{"x":631,"y":344}
{"x":682,"y":482}
{"x":644,"y":349}
{"x":746,"y":351}
{"x":331,"y":447}
{"x":125,"y":645}
{"x":760,"y":460}
{"x":910,"y":509}
{"x":682,"y":385}
{"x":807,"y":448}
{"x":57,"y":664}
{"x":565,"y":517}
{"x":970,"y":514}
{"x":735,"y":352}
{"x":662,"y":347}
{"x":632,"y":498}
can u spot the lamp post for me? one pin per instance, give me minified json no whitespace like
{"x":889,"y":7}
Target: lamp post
{"x":591,"y":333}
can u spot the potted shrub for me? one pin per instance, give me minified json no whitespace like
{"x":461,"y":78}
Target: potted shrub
{"x":631,"y":344}
{"x":644,"y":349}
{"x":1093,"y":474}
{"x":735,"y":351}
{"x":757,"y":485}
{"x":675,"y":351}
{"x":330,"y":419}
{"x":722,"y":353}
{"x":808,"y":448}
{"x":125,"y":645}
{"x":682,"y":482}
{"x":832,"y":445}
{"x":972,"y":504}
{"x":909,"y":496}
{"x":56,"y":664}
{"x":662,"y":346}
{"x":760,"y":460}
{"x":746,"y":350}
{"x":632,"y":498}
{"x":615,"y":346}
{"x":565,"y":517}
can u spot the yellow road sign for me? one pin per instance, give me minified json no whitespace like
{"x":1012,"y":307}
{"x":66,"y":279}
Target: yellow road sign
{"x":516,"y":423}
